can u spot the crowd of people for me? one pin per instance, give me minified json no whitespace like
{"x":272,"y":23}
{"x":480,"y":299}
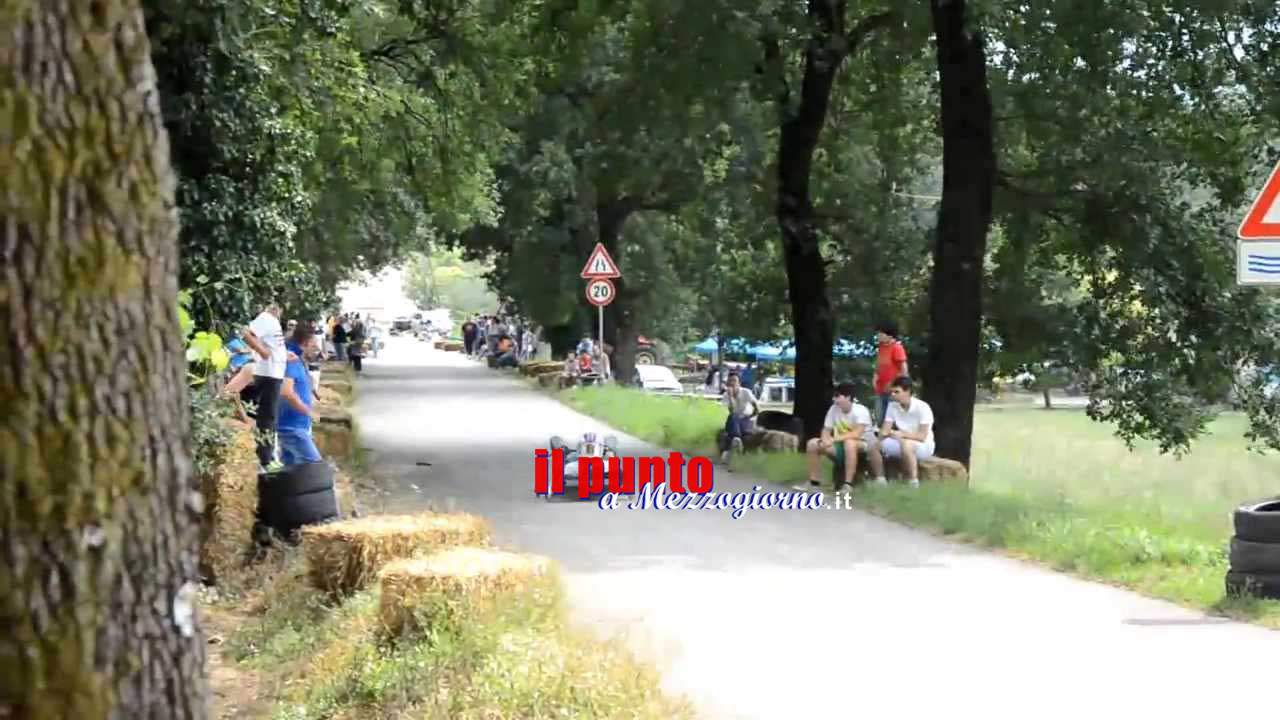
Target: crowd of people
{"x":275,"y":375}
{"x":589,"y":363}
{"x":902,"y":427}
{"x":508,"y":340}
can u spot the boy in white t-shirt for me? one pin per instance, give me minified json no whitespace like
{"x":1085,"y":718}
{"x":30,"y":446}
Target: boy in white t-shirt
{"x":846,"y":430}
{"x":907,"y":432}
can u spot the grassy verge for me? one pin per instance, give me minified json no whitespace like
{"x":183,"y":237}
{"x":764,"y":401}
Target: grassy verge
{"x":1047,"y":485}
{"x":320,"y":661}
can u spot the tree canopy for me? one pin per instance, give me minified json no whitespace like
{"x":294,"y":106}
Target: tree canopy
{"x":775,"y":172}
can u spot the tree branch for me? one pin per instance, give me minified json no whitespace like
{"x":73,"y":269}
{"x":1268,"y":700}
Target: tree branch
{"x":868,"y":25}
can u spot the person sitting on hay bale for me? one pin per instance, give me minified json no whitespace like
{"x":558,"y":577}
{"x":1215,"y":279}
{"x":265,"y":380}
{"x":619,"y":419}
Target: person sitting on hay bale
{"x":845,"y":431}
{"x":907,"y":433}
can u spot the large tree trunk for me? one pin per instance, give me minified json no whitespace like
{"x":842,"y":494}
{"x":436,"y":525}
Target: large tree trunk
{"x":619,"y":325}
{"x":968,"y":175}
{"x":806,"y":270}
{"x":100,"y":515}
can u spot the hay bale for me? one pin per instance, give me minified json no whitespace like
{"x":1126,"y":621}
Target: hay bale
{"x":344,"y":556}
{"x":942,"y":469}
{"x":340,"y":387}
{"x":333,"y":440}
{"x":548,"y":380}
{"x":427,"y":590}
{"x":230,"y":501}
{"x":453,"y":347}
{"x":771,"y":441}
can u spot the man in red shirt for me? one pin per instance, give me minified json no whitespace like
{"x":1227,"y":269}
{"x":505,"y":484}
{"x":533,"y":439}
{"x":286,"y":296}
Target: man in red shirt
{"x":891,"y":363}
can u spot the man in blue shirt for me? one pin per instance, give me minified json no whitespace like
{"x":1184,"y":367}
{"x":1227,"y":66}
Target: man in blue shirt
{"x":293,"y":426}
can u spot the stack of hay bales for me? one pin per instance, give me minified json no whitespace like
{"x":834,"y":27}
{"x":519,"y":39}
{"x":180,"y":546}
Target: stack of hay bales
{"x":333,"y":434}
{"x":441,"y":587}
{"x":343,"y":557}
{"x":538,"y":368}
{"x":230,"y":500}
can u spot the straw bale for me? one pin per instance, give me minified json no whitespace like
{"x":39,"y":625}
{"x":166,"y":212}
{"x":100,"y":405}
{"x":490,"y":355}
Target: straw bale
{"x":230,"y":501}
{"x":333,"y":440}
{"x":453,"y":347}
{"x":338,"y":386}
{"x":329,"y":396}
{"x":344,"y":556}
{"x":436,"y":588}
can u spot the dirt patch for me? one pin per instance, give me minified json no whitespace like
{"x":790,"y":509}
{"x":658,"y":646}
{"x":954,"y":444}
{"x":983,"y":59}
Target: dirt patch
{"x":233,"y":690}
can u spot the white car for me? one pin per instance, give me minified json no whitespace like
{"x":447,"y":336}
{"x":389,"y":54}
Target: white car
{"x":656,"y":379}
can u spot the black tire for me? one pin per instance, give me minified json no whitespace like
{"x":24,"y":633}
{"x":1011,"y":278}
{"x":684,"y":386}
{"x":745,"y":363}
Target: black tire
{"x":1263,"y":586}
{"x":1259,"y":522}
{"x":300,"y":479}
{"x":1255,"y":557}
{"x":646,"y":357}
{"x":308,"y":509}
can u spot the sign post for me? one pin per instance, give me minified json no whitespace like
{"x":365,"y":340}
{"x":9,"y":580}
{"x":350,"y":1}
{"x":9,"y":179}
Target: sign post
{"x":598,"y":272}
{"x":1258,"y":246}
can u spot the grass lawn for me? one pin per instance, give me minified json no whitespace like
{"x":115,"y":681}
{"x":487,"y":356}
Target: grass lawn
{"x":312,"y":660}
{"x":1049,"y":485}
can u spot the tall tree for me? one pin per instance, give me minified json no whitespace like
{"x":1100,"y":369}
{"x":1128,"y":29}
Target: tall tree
{"x":828,"y":41}
{"x":98,"y":511}
{"x":968,"y":176}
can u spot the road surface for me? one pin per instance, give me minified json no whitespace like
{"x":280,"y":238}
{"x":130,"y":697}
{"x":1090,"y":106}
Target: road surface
{"x":799,"y":614}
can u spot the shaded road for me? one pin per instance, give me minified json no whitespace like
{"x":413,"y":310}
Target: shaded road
{"x":799,"y":614}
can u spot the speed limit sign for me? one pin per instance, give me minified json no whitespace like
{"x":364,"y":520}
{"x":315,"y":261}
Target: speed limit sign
{"x":600,"y":292}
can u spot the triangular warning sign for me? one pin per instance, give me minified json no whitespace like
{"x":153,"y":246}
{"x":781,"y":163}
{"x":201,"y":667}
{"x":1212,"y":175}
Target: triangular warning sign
{"x":1263,"y":220}
{"x":600,"y":265}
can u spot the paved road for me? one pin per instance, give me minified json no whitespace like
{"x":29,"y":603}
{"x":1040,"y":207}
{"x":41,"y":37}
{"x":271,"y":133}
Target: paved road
{"x":800,"y":614}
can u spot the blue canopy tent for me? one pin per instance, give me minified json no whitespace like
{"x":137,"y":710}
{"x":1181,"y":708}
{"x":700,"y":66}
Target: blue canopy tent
{"x":765,"y":352}
{"x":707,"y":346}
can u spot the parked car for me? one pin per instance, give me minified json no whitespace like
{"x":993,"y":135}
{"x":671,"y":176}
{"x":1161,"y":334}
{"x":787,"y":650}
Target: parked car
{"x":656,"y":379}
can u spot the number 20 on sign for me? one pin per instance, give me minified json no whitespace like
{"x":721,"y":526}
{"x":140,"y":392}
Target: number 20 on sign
{"x":600,"y":292}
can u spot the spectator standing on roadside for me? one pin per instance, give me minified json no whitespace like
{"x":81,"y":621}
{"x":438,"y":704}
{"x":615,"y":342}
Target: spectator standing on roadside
{"x":469,"y":336}
{"x":296,"y":412}
{"x":891,"y":364}
{"x":266,"y":337}
{"x":340,"y":339}
{"x":355,"y":348}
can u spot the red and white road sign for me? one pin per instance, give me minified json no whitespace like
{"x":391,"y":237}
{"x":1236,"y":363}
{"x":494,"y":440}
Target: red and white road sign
{"x":600,"y":291}
{"x":1263,"y":219}
{"x":1258,"y":246}
{"x":600,"y":265}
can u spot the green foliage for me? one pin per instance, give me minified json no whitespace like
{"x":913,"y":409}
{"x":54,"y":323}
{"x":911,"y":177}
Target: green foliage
{"x":210,"y":432}
{"x":443,"y":279}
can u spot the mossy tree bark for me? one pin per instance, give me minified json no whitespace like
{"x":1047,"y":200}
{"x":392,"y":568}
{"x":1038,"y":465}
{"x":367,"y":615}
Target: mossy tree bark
{"x":98,"y":510}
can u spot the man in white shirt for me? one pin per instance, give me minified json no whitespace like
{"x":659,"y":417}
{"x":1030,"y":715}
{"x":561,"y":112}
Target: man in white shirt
{"x":743,"y":409}
{"x":266,"y":337}
{"x":846,"y":430}
{"x":907,"y":432}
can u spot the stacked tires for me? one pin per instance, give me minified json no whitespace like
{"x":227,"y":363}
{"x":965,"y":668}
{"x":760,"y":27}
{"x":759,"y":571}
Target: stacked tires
{"x":1255,"y":551}
{"x":295,"y":496}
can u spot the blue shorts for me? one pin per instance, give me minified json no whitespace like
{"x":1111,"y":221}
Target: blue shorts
{"x":296,"y":446}
{"x":892,"y":447}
